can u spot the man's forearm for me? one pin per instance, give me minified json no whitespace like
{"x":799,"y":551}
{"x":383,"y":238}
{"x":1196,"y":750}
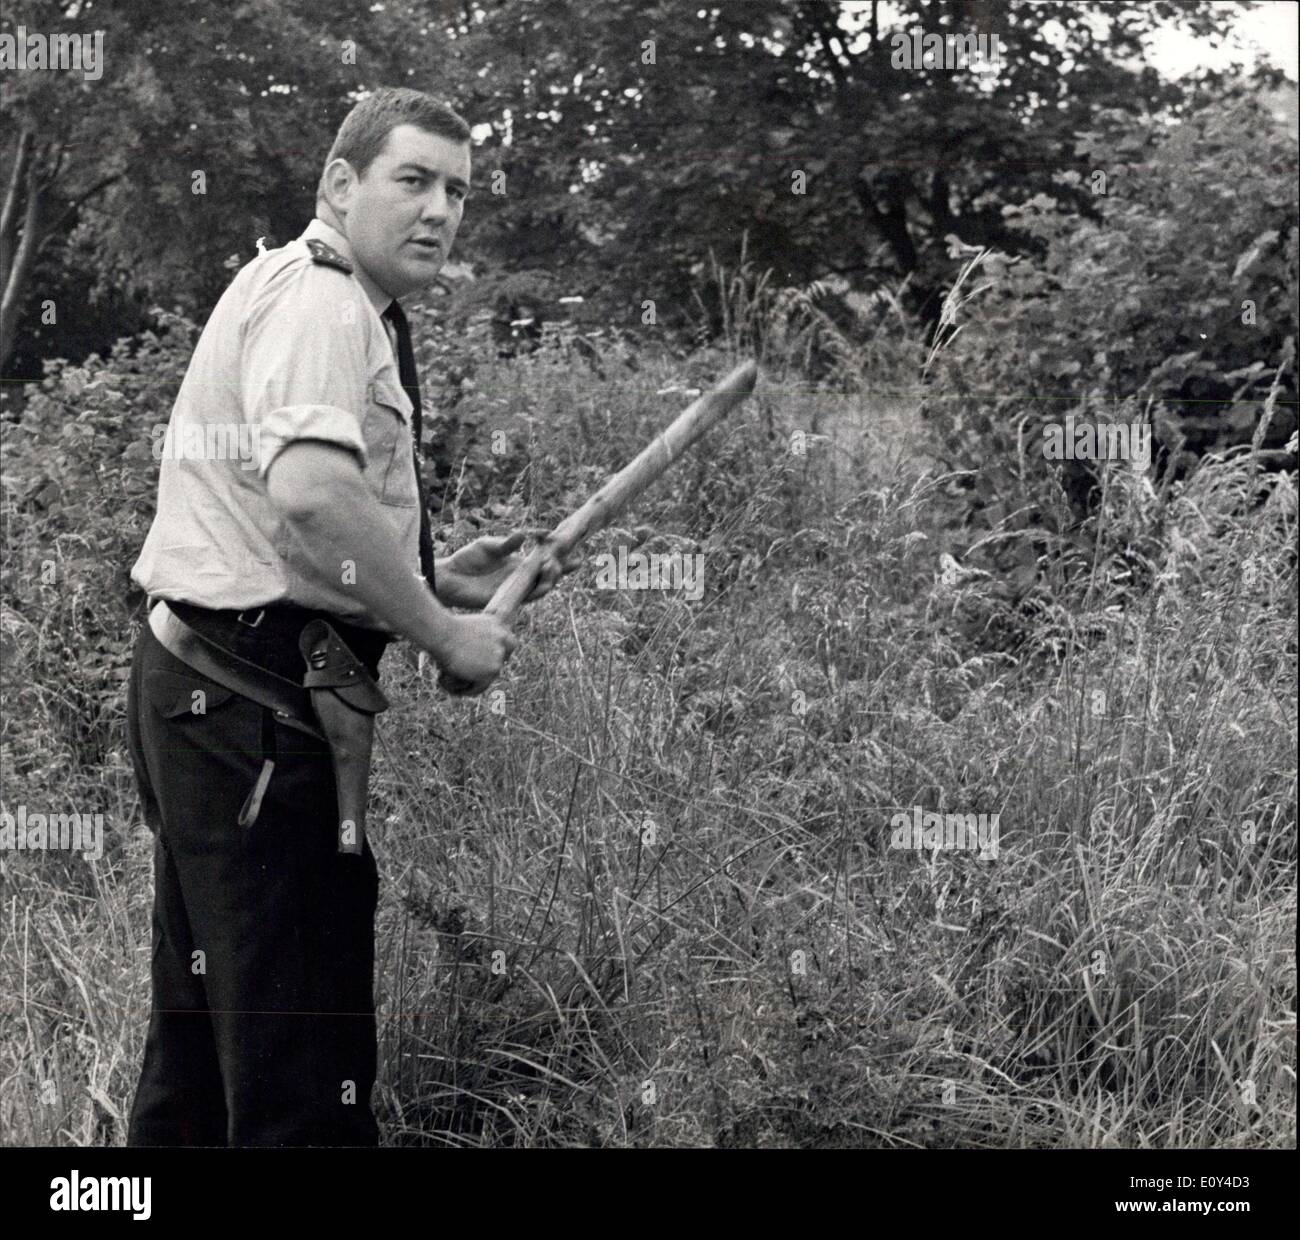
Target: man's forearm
{"x":334,"y":517}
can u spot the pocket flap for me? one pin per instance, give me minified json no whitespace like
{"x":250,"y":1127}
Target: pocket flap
{"x":173,"y":693}
{"x":389,"y":392}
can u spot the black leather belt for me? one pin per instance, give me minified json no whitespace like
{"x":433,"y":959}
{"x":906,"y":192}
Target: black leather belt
{"x":268,"y":636}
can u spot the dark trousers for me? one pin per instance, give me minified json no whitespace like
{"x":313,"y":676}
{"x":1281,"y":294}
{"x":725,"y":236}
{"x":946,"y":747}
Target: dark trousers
{"x":263,"y":1024}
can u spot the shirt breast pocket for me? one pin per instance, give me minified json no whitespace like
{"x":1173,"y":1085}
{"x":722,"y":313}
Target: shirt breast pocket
{"x":389,"y":445}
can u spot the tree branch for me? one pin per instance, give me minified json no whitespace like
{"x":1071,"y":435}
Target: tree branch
{"x":80,"y":200}
{"x":891,"y":224}
{"x":938,"y":203}
{"x":19,"y":272}
{"x":58,"y":167}
{"x":9,"y":213}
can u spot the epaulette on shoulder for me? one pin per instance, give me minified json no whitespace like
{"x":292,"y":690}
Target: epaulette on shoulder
{"x":328,"y":257}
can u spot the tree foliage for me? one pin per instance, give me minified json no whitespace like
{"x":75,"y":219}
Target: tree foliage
{"x":621,"y":141}
{"x":634,"y":138}
{"x":206,"y":130}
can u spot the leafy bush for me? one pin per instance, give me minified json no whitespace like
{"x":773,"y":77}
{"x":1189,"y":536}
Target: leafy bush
{"x":1135,"y":318}
{"x":80,"y":486}
{"x":1146,"y":304}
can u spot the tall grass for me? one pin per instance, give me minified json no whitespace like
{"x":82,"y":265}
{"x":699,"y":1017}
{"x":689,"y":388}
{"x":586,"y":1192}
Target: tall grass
{"x":642,"y":892}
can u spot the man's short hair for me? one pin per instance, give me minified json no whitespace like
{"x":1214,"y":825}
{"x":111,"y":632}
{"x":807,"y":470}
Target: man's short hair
{"x":365,"y":129}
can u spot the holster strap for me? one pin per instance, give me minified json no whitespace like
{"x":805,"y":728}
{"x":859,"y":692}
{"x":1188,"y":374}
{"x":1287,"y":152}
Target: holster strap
{"x":332,"y":665}
{"x":345,"y":700}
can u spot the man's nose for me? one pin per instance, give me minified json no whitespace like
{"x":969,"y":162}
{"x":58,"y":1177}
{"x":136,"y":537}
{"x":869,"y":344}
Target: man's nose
{"x":436,"y":206}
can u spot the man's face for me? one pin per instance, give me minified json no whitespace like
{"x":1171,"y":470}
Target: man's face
{"x":402,"y":215}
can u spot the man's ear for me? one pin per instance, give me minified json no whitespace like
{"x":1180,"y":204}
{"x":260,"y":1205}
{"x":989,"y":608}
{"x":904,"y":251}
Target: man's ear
{"x":338,"y":186}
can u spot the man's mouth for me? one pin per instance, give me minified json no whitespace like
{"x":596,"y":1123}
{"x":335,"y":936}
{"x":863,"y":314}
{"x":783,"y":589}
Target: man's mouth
{"x":430,"y":244}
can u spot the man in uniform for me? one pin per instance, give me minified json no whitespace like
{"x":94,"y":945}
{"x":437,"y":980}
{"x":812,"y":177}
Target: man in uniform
{"x":263,"y":1028}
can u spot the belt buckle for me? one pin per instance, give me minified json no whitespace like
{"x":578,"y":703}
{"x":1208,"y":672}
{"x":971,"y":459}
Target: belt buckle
{"x":252,"y":624}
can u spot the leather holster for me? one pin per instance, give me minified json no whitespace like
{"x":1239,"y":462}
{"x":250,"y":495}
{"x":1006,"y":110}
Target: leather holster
{"x":345,"y":701}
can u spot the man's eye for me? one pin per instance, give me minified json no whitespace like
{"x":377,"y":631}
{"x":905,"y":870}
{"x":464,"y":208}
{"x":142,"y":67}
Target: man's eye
{"x":415,"y":179}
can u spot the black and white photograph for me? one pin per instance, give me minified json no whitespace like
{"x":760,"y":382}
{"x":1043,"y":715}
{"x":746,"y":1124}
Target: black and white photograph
{"x":648,"y":574}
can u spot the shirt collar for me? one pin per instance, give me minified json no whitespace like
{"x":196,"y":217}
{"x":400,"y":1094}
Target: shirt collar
{"x":318,"y":230}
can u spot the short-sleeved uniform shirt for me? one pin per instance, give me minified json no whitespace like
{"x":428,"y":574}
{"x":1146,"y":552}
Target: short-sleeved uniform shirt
{"x":294,"y":349}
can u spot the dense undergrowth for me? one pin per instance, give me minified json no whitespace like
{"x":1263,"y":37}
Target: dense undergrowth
{"x":645,"y":891}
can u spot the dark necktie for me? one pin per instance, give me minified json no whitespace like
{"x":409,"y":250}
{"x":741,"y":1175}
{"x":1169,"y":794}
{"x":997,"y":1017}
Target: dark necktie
{"x":410,"y":380}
